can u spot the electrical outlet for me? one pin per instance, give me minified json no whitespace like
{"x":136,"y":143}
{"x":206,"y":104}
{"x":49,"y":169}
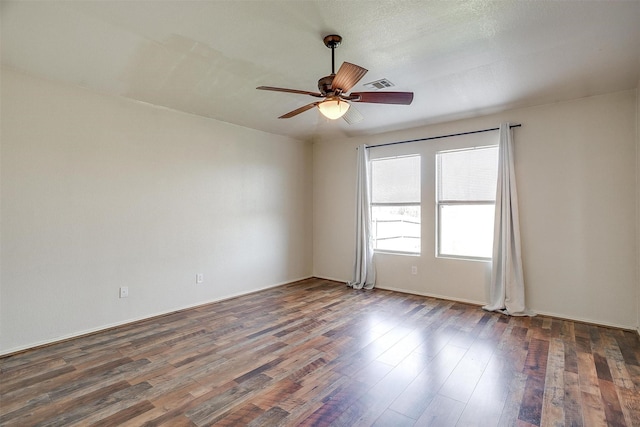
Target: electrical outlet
{"x":124,"y":292}
{"x":414,"y":270}
{"x":199,"y":278}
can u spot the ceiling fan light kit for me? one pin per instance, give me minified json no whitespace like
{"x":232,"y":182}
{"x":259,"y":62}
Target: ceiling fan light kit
{"x":333,"y":108}
{"x":334,"y":89}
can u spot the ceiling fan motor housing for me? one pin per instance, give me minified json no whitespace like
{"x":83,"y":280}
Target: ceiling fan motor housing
{"x":324,"y":85}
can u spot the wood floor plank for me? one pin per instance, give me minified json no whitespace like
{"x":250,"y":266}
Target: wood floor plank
{"x":531,"y":406}
{"x":626,"y":343}
{"x":463,"y":380}
{"x":124,"y":415}
{"x":535,"y":368}
{"x":38,"y":411}
{"x":167,"y":402}
{"x":587,"y":374}
{"x":387,"y":390}
{"x":392,"y":418}
{"x":316,"y":352}
{"x":443,"y":411}
{"x":241,"y":416}
{"x":517,"y":387}
{"x":553,"y":399}
{"x":611,"y":403}
{"x":98,"y":409}
{"x":572,"y":400}
{"x":630,"y":405}
{"x":593,"y":410}
{"x":487,"y":402}
{"x":42,"y":377}
{"x":335,"y":404}
{"x":417,"y":396}
{"x":271,"y":417}
{"x":317,"y":386}
{"x":617,"y":366}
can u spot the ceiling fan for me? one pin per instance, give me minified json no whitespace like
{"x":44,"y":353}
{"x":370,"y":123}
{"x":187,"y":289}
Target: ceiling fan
{"x":334,"y":89}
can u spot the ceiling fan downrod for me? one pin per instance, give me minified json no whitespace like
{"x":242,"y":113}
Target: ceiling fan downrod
{"x":332,"y":41}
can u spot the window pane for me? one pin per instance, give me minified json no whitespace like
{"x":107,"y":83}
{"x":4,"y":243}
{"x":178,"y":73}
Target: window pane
{"x":395,"y":197}
{"x":466,"y":230}
{"x":468,"y":174}
{"x":395,"y":180}
{"x":396,"y":228}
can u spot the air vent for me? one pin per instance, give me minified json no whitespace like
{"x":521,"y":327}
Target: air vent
{"x":379,"y":84}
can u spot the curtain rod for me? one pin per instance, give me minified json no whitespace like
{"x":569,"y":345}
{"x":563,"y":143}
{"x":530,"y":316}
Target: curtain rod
{"x":441,"y":136}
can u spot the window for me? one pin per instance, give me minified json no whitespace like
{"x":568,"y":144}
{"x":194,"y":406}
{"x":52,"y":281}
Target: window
{"x":395,"y":204}
{"x":466,"y":197}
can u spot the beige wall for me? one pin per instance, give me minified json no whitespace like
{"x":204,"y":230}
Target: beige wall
{"x":101,"y":192}
{"x":576,"y":173}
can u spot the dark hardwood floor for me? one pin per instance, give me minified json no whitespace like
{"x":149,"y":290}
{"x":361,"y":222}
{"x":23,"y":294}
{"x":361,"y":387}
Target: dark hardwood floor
{"x":318,"y":353}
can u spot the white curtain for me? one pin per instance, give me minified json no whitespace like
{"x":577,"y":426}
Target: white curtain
{"x":507,"y":282}
{"x":364,"y":275}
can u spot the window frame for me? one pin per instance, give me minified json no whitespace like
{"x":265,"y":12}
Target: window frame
{"x":439,"y":204}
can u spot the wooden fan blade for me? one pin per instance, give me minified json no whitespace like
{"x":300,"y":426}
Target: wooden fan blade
{"x":281,"y":89}
{"x":347,"y":76}
{"x":352,"y":115}
{"x":403,"y":98}
{"x":299,"y":110}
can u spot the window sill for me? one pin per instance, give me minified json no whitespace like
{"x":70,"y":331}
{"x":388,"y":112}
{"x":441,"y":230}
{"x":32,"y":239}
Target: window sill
{"x":388,"y":252}
{"x":464,"y":258}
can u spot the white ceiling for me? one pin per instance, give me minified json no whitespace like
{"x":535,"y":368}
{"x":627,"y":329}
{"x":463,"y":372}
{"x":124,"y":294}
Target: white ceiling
{"x":207,"y":57}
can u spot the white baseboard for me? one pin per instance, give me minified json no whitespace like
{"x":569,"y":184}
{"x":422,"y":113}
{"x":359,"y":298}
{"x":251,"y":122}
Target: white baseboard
{"x":85,"y":332}
{"x":541,"y":313}
{"x":405,"y":291}
{"x":481,"y":303}
{"x":432,"y":295}
{"x":584,"y":320}
{"x":333,"y":279}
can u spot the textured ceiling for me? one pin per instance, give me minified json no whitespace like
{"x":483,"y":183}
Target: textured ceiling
{"x":207,"y":57}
